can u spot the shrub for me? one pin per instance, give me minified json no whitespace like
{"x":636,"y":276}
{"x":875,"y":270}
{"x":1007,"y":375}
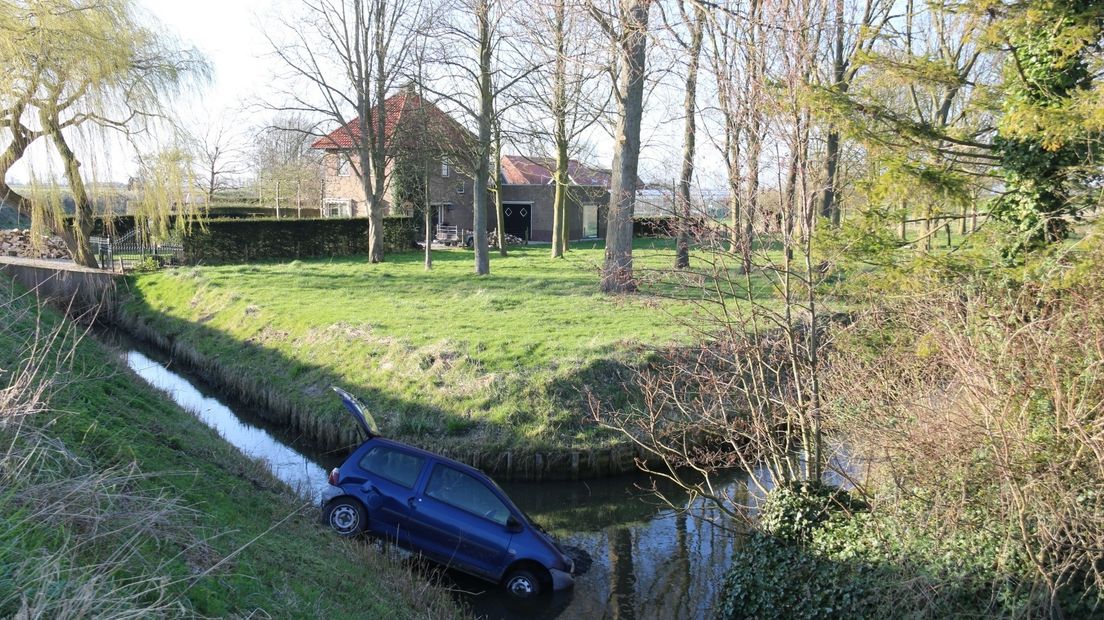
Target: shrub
{"x":825,"y":555}
{"x":794,"y":512}
{"x":773,"y":578}
{"x":148,"y":264}
{"x":654,"y":226}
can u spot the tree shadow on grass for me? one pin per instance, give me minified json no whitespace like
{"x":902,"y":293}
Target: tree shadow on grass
{"x":264,"y":379}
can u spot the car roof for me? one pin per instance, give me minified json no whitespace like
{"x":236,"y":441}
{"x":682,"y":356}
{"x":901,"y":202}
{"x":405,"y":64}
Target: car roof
{"x":426,"y":453}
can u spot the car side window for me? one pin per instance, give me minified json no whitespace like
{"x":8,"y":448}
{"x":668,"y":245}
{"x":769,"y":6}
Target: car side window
{"x":394,"y":465}
{"x":466,"y":492}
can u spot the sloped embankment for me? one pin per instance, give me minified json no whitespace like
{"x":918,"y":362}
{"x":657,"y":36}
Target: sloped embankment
{"x":114,"y":501}
{"x":488,"y":373}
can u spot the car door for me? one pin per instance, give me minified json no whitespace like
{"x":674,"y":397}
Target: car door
{"x":391,"y":475}
{"x":460,"y":521}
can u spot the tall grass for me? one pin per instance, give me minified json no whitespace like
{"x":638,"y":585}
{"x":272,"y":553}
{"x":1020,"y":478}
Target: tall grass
{"x":72,"y":534}
{"x":115,"y":503}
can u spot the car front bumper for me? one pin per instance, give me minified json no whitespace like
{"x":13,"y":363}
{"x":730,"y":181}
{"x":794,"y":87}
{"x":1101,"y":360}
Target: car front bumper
{"x":561,"y":580}
{"x":329,"y":493}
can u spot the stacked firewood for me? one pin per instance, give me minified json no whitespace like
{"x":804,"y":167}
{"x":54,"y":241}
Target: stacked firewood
{"x":492,"y":239}
{"x":19,"y":242}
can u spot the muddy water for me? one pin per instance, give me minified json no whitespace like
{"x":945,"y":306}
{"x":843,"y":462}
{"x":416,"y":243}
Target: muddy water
{"x":640,"y":559}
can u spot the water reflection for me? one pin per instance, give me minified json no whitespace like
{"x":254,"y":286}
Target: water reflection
{"x":649,"y":561}
{"x":298,"y":471}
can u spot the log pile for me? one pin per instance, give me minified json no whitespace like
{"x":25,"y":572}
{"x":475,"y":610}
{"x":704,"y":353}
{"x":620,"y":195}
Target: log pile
{"x":492,"y":240}
{"x":18,"y":242}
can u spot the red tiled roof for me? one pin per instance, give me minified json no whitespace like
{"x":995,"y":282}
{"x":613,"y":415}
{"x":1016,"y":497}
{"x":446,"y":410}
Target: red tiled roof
{"x":347,"y":136}
{"x":521,"y":170}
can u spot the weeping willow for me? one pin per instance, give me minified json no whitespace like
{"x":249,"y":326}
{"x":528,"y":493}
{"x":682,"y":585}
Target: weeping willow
{"x":81,"y":71}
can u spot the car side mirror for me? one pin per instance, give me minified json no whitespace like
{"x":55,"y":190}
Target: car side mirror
{"x":513,"y":525}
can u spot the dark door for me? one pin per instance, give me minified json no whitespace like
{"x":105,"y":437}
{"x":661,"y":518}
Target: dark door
{"x":518,"y":216}
{"x":462,"y":522}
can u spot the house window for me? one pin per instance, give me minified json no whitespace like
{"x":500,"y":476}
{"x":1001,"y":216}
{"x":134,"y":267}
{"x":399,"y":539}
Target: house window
{"x":446,"y":168}
{"x":342,"y":167}
{"x":336,"y":208}
{"x":440,"y":208}
{"x":590,"y":221}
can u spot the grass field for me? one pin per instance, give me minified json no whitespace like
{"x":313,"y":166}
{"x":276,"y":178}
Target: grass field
{"x":443,"y":356}
{"x":113,"y":491}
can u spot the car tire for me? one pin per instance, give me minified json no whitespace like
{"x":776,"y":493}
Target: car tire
{"x":522,"y":583}
{"x":346,"y":516}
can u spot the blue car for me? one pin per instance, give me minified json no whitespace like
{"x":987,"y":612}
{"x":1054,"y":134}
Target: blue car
{"x":449,"y":512}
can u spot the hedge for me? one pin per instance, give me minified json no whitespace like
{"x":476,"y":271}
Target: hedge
{"x":246,"y":240}
{"x":663,"y":226}
{"x":120,"y":224}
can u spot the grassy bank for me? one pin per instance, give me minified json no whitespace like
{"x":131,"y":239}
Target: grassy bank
{"x":443,"y":358}
{"x":115,"y":501}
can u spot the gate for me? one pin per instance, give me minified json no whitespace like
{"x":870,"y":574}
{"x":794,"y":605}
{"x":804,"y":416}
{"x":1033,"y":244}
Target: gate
{"x":123,"y":253}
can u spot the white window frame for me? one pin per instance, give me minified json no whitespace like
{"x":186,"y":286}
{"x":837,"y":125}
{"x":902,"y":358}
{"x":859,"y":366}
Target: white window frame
{"x":344,"y":208}
{"x":446,"y":169}
{"x":344,"y":168}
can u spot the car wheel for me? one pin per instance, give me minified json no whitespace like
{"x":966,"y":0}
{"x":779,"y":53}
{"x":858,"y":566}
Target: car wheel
{"x":522,"y":583}
{"x":346,"y":516}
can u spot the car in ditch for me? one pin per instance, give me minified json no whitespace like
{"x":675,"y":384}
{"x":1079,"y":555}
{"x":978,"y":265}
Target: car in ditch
{"x":445,"y":510}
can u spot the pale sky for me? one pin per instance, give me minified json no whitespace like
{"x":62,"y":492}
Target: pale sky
{"x":229,"y":34}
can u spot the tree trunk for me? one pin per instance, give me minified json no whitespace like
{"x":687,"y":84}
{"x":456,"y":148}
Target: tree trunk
{"x":617,"y":272}
{"x":829,"y":207}
{"x":558,"y":213}
{"x":565,"y":221}
{"x":81,"y":229}
{"x":559,"y":112}
{"x":377,"y":162}
{"x":689,"y":109}
{"x":428,"y":208}
{"x":20,"y":140}
{"x":755,"y":131}
{"x":500,"y":216}
{"x":486,"y":114}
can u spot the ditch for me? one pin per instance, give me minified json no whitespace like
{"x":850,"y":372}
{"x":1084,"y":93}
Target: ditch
{"x":638,"y":559}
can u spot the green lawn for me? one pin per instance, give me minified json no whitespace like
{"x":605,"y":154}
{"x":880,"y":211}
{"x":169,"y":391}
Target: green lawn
{"x":102,"y":417}
{"x":445,"y":357}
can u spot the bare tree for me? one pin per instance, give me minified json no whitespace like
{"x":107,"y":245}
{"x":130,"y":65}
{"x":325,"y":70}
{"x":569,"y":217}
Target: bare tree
{"x":738,"y":62}
{"x":281,"y":157}
{"x":218,"y":155}
{"x":564,"y":98}
{"x":344,"y":57}
{"x":747,"y":394}
{"x":689,"y":133}
{"x":626,"y":24}
{"x":475,"y":65}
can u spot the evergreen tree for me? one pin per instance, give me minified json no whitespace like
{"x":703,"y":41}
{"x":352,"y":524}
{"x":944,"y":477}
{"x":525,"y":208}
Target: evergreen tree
{"x":1042,"y":143}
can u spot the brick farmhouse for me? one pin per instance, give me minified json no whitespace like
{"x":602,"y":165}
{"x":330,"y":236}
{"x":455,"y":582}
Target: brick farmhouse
{"x":416,"y":128}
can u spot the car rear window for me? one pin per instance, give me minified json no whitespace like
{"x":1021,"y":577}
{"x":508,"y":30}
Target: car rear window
{"x":394,"y":465}
{"x":467,"y":493}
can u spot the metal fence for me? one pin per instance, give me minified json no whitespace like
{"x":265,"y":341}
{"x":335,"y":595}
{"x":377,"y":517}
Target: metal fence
{"x":128,"y":251}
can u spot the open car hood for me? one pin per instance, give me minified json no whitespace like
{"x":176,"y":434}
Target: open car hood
{"x":359,"y":412}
